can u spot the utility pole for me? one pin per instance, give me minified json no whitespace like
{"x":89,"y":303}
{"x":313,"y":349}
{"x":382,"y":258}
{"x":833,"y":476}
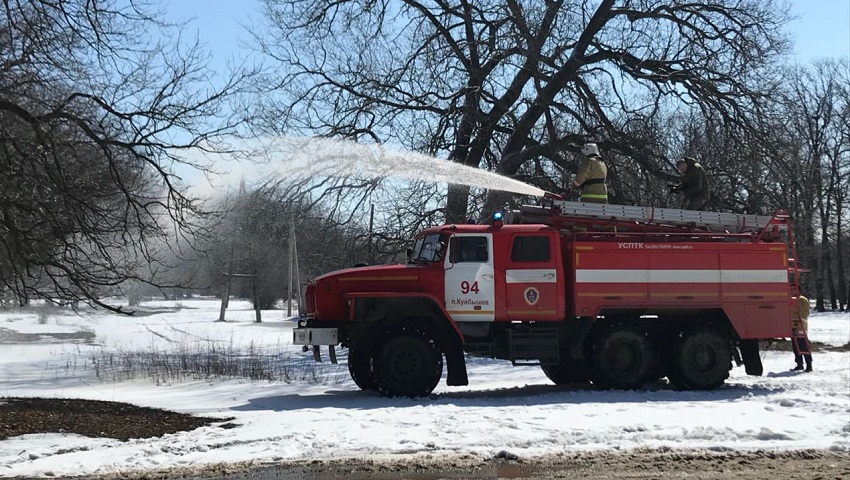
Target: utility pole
{"x":371,"y":228}
{"x":297,"y":274}
{"x":291,"y":256}
{"x":225,"y":294}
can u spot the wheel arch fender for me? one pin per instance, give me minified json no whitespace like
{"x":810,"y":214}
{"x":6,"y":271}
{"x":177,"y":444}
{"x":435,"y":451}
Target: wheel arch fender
{"x":389,"y":310}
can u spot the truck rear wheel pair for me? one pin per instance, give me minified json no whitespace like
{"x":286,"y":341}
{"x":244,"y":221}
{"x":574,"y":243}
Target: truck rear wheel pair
{"x":620,"y":357}
{"x":408,"y":364}
{"x":700,"y":360}
{"x":624,"y":358}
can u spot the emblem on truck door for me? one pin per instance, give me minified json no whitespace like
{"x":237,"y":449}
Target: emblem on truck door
{"x":531,"y":295}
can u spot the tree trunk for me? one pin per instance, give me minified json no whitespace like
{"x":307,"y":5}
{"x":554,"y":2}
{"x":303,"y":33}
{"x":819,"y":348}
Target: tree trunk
{"x":256,"y":297}
{"x":843,"y":291}
{"x":457,"y":204}
{"x":496,"y":200}
{"x":830,"y":279}
{"x":819,"y":283}
{"x":225,"y":295}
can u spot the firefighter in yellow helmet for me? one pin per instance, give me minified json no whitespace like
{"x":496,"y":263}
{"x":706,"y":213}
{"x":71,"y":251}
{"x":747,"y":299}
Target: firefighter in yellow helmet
{"x":590,"y":180}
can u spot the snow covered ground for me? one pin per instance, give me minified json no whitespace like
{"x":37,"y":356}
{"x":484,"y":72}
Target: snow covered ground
{"x":323,"y":415}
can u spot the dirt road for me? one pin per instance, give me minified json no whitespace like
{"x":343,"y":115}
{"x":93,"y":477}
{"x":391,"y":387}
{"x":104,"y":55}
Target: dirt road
{"x":647,"y":464}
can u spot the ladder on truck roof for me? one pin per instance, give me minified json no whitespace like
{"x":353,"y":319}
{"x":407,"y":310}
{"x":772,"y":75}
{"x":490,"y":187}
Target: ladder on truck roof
{"x":672,"y":218}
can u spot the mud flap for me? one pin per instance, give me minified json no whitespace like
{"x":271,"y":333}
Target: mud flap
{"x":456,"y":365}
{"x":736,"y":356}
{"x":317,"y":353}
{"x":750,"y":356}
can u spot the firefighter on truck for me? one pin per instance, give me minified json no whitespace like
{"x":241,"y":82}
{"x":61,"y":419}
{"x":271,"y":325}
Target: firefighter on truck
{"x":683,"y":298}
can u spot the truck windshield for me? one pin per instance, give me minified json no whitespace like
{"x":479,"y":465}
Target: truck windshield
{"x":427,"y":249}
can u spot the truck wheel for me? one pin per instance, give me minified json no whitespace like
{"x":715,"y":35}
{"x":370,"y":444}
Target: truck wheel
{"x":569,"y":371}
{"x":360,"y":368}
{"x":408,"y":365}
{"x":701,"y":360}
{"x":623,"y":359}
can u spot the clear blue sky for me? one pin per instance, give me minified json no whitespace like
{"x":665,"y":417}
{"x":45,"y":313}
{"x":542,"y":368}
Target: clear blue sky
{"x":220,"y":25}
{"x":823,"y":29}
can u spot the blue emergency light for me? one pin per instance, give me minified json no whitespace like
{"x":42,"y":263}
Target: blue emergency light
{"x":497,"y":219}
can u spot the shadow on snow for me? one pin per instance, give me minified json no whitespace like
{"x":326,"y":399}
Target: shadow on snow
{"x":529,"y":395}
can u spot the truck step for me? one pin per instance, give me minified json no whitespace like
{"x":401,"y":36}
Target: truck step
{"x":541,"y":345}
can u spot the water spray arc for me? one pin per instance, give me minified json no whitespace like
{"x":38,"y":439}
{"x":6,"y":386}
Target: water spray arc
{"x":323,"y":157}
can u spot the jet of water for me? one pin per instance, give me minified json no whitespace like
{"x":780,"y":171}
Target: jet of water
{"x":325,"y":157}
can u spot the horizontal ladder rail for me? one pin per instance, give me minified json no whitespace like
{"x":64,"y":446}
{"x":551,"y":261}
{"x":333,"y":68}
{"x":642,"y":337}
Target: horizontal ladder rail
{"x":715,"y":221}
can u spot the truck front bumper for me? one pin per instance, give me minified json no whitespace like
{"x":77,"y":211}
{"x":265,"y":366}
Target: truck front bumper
{"x":316,"y":337}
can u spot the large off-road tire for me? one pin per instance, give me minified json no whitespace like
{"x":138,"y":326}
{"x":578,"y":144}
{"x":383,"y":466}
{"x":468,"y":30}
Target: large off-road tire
{"x":701,"y":360}
{"x":360,"y":368}
{"x":566,"y":372}
{"x":409,"y":364}
{"x":623,"y":358}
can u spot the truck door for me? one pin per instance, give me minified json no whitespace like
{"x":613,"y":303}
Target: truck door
{"x":534,"y":278}
{"x":470,"y":291}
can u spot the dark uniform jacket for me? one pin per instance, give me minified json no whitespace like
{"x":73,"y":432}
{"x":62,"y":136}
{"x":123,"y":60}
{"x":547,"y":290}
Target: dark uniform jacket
{"x":695,"y":186}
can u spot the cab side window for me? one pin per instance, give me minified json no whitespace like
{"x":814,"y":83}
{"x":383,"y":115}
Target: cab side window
{"x":470,"y":249}
{"x":530,"y":248}
{"x":428,"y":248}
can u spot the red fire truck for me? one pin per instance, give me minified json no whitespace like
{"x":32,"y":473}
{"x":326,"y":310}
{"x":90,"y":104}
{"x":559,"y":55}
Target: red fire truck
{"x":615,"y":295}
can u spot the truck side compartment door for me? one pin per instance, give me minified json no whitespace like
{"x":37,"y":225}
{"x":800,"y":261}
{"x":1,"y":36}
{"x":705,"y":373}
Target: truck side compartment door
{"x":756,"y":293}
{"x":534,"y":278}
{"x":609,"y":275}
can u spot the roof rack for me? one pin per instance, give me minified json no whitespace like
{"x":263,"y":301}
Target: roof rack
{"x":645,"y":218}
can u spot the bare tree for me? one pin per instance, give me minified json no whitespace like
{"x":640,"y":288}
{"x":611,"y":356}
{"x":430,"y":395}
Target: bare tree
{"x":94,"y":113}
{"x":513,"y":86}
{"x":814,"y":116}
{"x":252,"y":239}
{"x":841,"y":169}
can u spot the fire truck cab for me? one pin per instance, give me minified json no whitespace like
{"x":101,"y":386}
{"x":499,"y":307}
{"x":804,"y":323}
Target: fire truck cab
{"x":591,"y":293}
